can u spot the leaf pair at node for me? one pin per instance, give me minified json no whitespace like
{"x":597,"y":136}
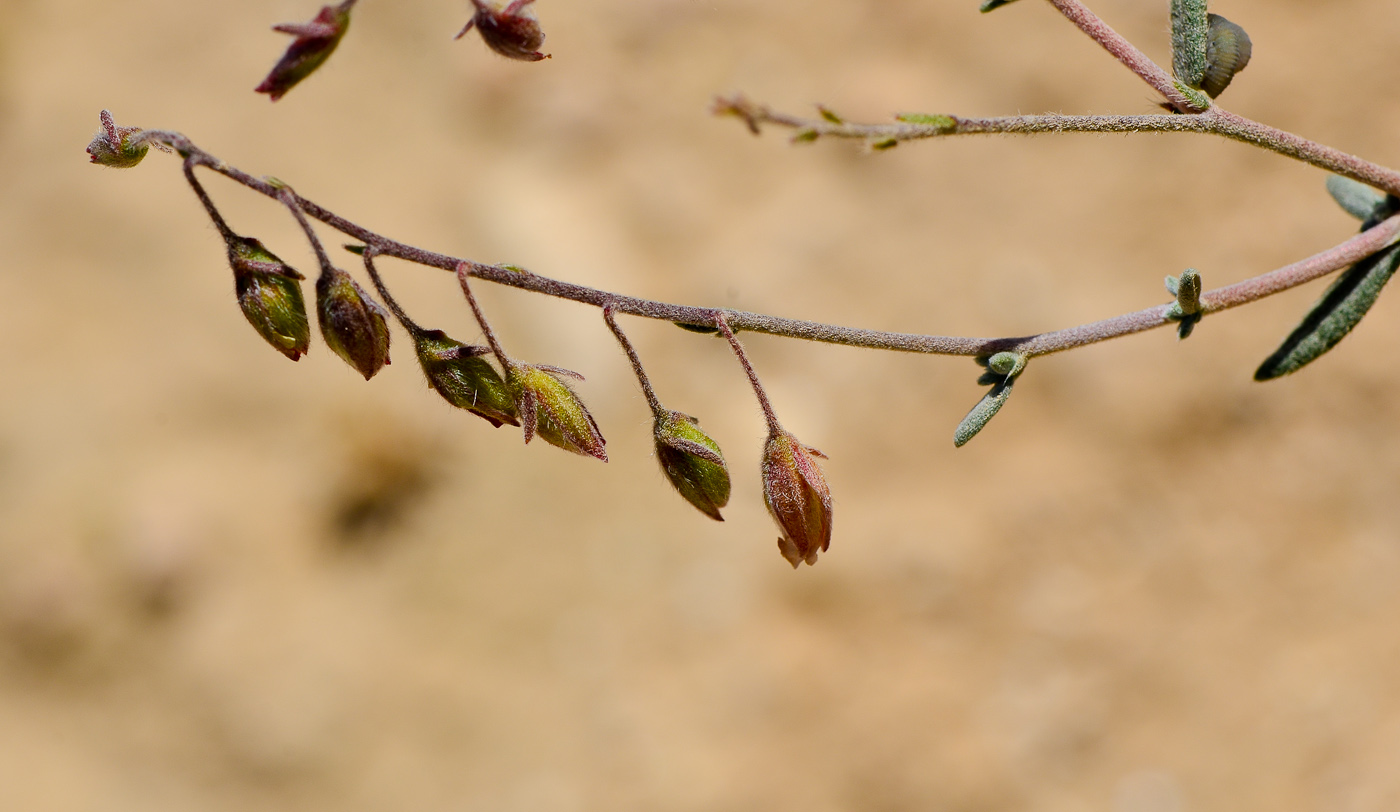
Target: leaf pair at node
{"x":1002,"y":369}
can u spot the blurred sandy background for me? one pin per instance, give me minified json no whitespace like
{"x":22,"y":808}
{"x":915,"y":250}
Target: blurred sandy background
{"x":230,"y":582}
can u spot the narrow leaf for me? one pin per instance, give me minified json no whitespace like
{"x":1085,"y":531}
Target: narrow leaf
{"x":990,"y":5}
{"x":1339,"y":310}
{"x":1356,"y":198}
{"x":983,"y":412}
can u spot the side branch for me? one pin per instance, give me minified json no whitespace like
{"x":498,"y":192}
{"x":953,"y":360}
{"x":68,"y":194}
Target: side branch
{"x":1127,"y":53}
{"x":1340,"y":256}
{"x":1214,"y":121}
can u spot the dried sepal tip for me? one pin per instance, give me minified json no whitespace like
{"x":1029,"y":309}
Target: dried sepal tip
{"x":511,"y":32}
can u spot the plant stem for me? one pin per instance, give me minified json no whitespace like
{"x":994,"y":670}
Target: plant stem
{"x":208,"y":203}
{"x":408,"y":324}
{"x":1214,"y":121}
{"x":1125,"y":52}
{"x":463,"y":273}
{"x":291,"y":200}
{"x":656,"y":408}
{"x":1340,"y":256}
{"x":721,"y":320}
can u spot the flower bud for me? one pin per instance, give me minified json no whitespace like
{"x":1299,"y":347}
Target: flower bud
{"x":549,"y":407}
{"x":463,"y":378}
{"x":113,"y":146}
{"x":352,"y":323}
{"x":269,"y":292}
{"x":315,"y":42}
{"x":691,"y":460}
{"x":797,"y":497}
{"x":511,"y":32}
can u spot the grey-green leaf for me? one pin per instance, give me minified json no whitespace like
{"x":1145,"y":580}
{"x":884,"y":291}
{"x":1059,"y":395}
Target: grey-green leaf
{"x":989,"y":5}
{"x":983,"y":412}
{"x":1356,"y":198}
{"x":1190,"y":30}
{"x":1339,"y":310}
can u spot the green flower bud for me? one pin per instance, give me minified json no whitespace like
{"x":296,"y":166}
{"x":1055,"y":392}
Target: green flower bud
{"x":797,"y":496}
{"x":315,"y":42}
{"x":352,"y":323}
{"x":114,"y":146}
{"x":269,"y":292}
{"x":548,"y":406}
{"x":692,"y":461}
{"x":464,"y":378}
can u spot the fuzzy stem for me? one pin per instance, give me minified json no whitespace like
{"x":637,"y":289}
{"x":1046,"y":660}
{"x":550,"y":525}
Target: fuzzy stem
{"x":656,"y":408}
{"x":1125,"y":52}
{"x":1340,"y":256}
{"x":408,"y":324}
{"x":463,"y":273}
{"x":1214,"y":121}
{"x":291,"y":200}
{"x":721,"y":320}
{"x":208,"y":202}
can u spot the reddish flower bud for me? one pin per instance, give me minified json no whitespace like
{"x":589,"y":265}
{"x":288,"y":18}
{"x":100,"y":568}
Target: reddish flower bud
{"x":690,"y":458}
{"x":797,"y":497}
{"x":464,"y":378}
{"x":549,"y":407}
{"x":269,"y":292}
{"x":114,"y":146}
{"x":315,"y":42}
{"x":512,"y":32}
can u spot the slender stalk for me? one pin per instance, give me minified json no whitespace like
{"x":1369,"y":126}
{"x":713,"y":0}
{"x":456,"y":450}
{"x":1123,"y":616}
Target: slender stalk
{"x":1214,"y":121}
{"x":771,"y":417}
{"x":656,"y":408}
{"x":408,"y":324}
{"x":208,"y":203}
{"x":291,"y":201}
{"x":463,"y":274}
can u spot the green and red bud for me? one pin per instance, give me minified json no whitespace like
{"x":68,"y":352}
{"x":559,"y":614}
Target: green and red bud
{"x":315,"y":42}
{"x":692,"y":461}
{"x":511,"y":32}
{"x":269,"y":293}
{"x":797,"y":496}
{"x":464,"y":378}
{"x":116,"y":146}
{"x":352,"y":323}
{"x":549,"y":407}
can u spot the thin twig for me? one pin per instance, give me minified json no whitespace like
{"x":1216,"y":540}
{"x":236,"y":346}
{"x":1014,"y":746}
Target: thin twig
{"x":721,"y":320}
{"x":1127,"y":53}
{"x":656,"y":408}
{"x":408,"y":324}
{"x":463,"y":273}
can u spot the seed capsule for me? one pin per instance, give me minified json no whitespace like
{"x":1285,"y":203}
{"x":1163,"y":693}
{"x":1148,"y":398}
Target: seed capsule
{"x":1227,"y":53}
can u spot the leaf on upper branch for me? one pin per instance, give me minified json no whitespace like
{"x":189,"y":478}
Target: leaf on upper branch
{"x":990,"y":5}
{"x":1361,"y":201}
{"x":1002,"y":371}
{"x":1190,"y":30}
{"x":1339,"y":310}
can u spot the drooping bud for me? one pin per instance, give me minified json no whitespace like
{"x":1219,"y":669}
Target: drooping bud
{"x":692,"y":461}
{"x":549,"y":407}
{"x":113,"y":146}
{"x":797,"y":496}
{"x":464,"y":378}
{"x":352,"y":323}
{"x":511,"y":32}
{"x":269,"y":292}
{"x":315,"y":42}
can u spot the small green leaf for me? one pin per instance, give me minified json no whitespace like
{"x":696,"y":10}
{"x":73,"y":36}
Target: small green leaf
{"x":1340,"y":309}
{"x":1190,"y":30}
{"x":983,"y":412}
{"x":805,"y":135}
{"x":990,"y":5}
{"x":707,"y":329}
{"x":829,"y":115}
{"x":1198,"y":99}
{"x":1359,"y":200}
{"x":940,"y":122}
{"x":357,"y":250}
{"x":884,"y":144}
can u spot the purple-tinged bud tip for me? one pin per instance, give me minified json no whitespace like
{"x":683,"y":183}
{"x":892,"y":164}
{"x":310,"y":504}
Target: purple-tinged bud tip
{"x":115,"y":146}
{"x":352,"y":323}
{"x":315,"y":42}
{"x":797,"y":496}
{"x":549,"y":407}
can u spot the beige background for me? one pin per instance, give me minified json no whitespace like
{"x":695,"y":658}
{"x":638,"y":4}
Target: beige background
{"x":1153,"y":585}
